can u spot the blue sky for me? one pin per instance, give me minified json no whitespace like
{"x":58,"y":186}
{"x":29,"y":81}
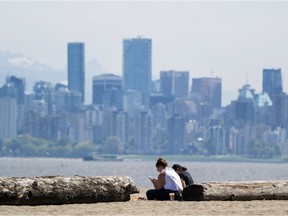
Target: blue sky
{"x":233,"y":40}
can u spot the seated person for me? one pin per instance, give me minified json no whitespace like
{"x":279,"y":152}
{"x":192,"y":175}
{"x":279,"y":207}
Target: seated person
{"x":185,"y":176}
{"x":168,"y":181}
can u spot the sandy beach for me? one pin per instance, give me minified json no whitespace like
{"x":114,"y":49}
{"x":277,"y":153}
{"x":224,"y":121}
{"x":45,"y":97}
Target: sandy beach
{"x":144,"y":207}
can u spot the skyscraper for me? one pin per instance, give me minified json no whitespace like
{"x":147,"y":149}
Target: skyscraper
{"x":176,"y":134}
{"x":208,"y":90}
{"x":272,"y":82}
{"x":8,"y":113}
{"x":174,"y":83}
{"x":137,"y":64}
{"x":19,"y":85}
{"x":107,"y":88}
{"x":76,"y":68}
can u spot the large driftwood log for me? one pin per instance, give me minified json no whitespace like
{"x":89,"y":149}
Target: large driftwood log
{"x":242,"y":191}
{"x":65,"y":190}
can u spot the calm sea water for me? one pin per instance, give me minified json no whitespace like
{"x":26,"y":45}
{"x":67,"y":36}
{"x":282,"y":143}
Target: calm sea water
{"x":140,"y":170}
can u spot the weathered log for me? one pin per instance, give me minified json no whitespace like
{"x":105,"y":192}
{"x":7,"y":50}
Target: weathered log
{"x":46,"y":190}
{"x":241,"y":191}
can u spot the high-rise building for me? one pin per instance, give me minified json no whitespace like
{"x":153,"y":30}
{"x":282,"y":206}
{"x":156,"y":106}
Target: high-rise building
{"x":174,"y":83}
{"x":176,"y":134}
{"x":272,"y":82}
{"x":280,"y":111}
{"x":45,"y":90}
{"x":137,"y":58}
{"x":131,"y":102}
{"x":76,"y":68}
{"x":208,"y":90}
{"x":15,"y":88}
{"x":19,"y":85}
{"x":8,"y":113}
{"x":107,"y":90}
{"x":143,"y":132}
{"x":243,"y":108}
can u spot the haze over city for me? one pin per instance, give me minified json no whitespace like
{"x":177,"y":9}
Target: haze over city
{"x":232,"y":40}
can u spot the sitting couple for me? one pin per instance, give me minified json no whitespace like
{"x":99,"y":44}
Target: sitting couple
{"x":168,"y":181}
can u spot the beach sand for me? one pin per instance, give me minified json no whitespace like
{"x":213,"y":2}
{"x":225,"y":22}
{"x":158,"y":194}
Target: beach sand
{"x":144,"y":207}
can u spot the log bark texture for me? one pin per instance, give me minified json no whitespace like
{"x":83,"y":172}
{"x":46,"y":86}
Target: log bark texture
{"x":241,"y":191}
{"x":65,"y":190}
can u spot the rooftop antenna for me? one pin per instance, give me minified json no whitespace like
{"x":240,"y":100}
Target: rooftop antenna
{"x":247,"y":77}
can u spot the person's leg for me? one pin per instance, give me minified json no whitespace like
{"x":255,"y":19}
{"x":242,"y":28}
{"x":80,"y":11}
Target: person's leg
{"x":151,"y":194}
{"x":162,"y":194}
{"x":178,"y":196}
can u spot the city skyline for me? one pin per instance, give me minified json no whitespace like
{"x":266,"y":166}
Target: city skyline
{"x":231,"y":40}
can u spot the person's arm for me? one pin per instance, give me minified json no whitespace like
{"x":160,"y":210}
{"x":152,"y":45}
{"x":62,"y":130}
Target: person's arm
{"x":183,"y":183}
{"x":160,"y":182}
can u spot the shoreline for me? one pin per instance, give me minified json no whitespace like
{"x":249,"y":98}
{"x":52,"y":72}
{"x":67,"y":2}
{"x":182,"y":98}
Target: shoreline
{"x":180,"y":158}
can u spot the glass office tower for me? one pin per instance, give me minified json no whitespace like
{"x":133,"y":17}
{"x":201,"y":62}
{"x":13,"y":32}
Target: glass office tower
{"x":272,"y":82}
{"x":76,"y":68}
{"x":174,"y":83}
{"x":137,"y":54}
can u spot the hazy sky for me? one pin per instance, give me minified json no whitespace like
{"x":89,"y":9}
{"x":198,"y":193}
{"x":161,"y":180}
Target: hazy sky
{"x":233,"y":40}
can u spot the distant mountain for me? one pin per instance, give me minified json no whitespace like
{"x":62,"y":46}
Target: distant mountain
{"x":18,"y":65}
{"x":21,"y":66}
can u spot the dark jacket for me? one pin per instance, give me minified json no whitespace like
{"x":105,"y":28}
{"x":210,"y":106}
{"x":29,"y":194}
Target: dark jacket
{"x":186,"y":177}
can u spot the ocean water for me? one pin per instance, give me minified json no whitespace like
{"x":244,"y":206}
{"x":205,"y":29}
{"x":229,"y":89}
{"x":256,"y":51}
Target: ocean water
{"x":139,"y":171}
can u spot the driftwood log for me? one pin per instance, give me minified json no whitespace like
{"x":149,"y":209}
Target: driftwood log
{"x":242,"y":191}
{"x":65,"y":190}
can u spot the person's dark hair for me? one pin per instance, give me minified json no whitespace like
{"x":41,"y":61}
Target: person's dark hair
{"x":183,"y":168}
{"x":178,"y":166}
{"x":161,"y":162}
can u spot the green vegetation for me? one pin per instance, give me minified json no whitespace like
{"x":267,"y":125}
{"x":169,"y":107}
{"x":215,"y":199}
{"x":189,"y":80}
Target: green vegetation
{"x":27,"y":146}
{"x":260,"y":149}
{"x":112,"y":145}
